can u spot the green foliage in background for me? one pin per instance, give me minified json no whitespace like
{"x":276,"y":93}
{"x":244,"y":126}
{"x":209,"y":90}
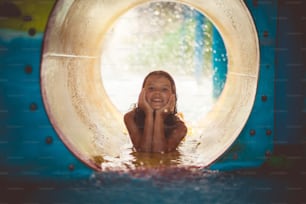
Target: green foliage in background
{"x":171,"y":41}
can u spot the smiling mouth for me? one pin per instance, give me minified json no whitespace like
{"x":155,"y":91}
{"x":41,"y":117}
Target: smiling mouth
{"x":157,"y":102}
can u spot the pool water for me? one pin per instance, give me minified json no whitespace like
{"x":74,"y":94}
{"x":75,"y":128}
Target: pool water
{"x":164,"y":185}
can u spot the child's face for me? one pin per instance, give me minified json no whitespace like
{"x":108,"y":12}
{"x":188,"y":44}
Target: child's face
{"x":158,"y":91}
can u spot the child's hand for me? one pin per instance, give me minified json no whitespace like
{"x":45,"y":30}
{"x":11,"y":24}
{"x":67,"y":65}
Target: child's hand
{"x":143,"y":103}
{"x":169,"y":107}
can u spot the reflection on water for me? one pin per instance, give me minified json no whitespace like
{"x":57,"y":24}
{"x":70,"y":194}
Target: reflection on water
{"x":130,"y":160}
{"x":152,"y":160}
{"x":164,"y":186}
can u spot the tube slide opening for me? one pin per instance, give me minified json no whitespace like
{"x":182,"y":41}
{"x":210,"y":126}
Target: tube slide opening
{"x":81,"y":111}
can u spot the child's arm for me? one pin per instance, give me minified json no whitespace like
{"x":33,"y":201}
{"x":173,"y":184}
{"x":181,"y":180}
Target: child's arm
{"x":176,"y":136}
{"x":133,"y":130}
{"x":161,"y":143}
{"x":142,"y":141}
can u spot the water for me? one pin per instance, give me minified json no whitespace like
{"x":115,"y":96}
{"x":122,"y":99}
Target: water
{"x":152,"y":184}
{"x":164,"y":185}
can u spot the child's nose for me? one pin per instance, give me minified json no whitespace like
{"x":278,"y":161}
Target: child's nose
{"x":157,"y":92}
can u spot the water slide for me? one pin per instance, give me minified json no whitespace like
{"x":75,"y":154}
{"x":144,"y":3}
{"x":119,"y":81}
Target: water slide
{"x":81,"y":111}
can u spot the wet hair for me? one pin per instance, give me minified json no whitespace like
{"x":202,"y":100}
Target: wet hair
{"x":171,"y":119}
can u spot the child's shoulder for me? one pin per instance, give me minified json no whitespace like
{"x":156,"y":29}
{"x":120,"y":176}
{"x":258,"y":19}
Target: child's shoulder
{"x":129,"y":114}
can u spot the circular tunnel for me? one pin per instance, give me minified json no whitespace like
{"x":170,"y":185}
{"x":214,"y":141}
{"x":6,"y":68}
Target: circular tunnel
{"x":80,"y":109}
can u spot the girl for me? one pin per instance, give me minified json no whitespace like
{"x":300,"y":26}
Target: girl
{"x":154,"y":125}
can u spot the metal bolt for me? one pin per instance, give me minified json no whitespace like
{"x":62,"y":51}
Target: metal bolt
{"x":268,"y":132}
{"x":28,"y":69}
{"x":33,"y":107}
{"x":27,"y":18}
{"x":71,"y":167}
{"x":264,"y":98}
{"x":32,"y":31}
{"x":252,"y":132}
{"x":266,"y":34}
{"x":49,"y":140}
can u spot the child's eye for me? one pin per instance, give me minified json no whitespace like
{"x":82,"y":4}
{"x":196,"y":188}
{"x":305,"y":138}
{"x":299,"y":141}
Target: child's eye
{"x":150,"y":88}
{"x":165,"y":89}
